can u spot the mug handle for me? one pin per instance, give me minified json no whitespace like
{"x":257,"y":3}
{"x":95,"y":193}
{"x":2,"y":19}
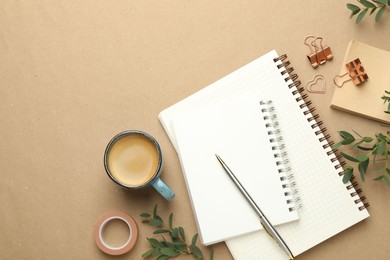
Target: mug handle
{"x":163,"y":189}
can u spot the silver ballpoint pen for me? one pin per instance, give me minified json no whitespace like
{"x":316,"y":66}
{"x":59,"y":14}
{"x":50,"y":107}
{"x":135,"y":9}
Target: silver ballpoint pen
{"x":263,"y":219}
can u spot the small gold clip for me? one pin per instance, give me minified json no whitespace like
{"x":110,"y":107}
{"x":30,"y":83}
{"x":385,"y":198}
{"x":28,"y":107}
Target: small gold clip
{"x":356,"y":72}
{"x":319,"y":54}
{"x":312,"y":55}
{"x":324,"y":52}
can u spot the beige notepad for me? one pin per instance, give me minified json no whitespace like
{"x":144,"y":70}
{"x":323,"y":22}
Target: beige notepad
{"x":328,"y":205}
{"x":365,"y":99}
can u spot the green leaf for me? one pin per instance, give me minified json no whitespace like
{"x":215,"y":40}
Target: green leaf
{"x":175,"y":233}
{"x":347,"y":174}
{"x":161,"y":231}
{"x":155,"y":211}
{"x":194,"y":238}
{"x":198,"y":252}
{"x":368,"y":139}
{"x":380,"y":148}
{"x":380,"y":13}
{"x":162,"y":257}
{"x":361,"y":15}
{"x":363,"y":168}
{"x":362,"y":157}
{"x":348,"y":157}
{"x":388,"y":171}
{"x":145,"y":215}
{"x":380,"y":136}
{"x":170,"y":245}
{"x":169,"y":251}
{"x":336,"y":146}
{"x":182,"y":247}
{"x":181,"y":232}
{"x":384,"y":2}
{"x":155,"y":243}
{"x":348,"y":138}
{"x":155,"y":222}
{"x":365,"y":148}
{"x":367,"y":3}
{"x":154,"y":252}
{"x":373,"y":10}
{"x":384,"y":178}
{"x":355,"y":9}
{"x":170,"y":220}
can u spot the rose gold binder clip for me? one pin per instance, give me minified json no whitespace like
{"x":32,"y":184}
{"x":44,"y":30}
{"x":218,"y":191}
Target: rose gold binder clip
{"x":319,"y":53}
{"x":356,"y":72}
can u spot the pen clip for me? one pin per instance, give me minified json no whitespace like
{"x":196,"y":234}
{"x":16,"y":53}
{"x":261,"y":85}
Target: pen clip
{"x":266,"y":229}
{"x":284,"y":246}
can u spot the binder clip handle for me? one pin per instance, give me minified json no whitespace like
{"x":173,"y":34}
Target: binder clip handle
{"x":338,"y":77}
{"x":312,"y":55}
{"x":326,"y":51}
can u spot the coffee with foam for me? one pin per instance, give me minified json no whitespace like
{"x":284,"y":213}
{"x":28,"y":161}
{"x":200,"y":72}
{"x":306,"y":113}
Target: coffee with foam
{"x":133,"y":160}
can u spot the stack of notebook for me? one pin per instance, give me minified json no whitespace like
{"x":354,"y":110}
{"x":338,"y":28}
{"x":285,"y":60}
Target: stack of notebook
{"x":258,"y":121}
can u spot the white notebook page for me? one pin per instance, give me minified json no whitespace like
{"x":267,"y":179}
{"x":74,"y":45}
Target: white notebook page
{"x":328,"y":207}
{"x":236,"y":131}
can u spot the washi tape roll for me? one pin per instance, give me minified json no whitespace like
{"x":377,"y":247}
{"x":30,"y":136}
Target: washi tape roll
{"x":103,"y":221}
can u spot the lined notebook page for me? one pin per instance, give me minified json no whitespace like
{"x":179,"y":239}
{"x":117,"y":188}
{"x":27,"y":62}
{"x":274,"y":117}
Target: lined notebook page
{"x":236,"y":131}
{"x":328,"y":207}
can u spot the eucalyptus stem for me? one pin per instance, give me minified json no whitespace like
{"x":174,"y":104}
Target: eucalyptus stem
{"x":177,"y":245}
{"x":370,"y":7}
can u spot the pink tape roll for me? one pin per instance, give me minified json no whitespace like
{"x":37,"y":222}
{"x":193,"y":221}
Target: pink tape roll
{"x":103,"y":221}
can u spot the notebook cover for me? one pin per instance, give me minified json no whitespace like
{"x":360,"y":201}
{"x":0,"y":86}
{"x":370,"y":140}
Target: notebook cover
{"x":365,"y":98}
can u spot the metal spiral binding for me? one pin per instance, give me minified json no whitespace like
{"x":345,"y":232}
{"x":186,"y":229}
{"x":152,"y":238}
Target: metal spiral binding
{"x":280,"y":155}
{"x":324,"y":139}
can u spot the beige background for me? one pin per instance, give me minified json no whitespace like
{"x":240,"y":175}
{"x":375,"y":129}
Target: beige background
{"x":75,"y":73}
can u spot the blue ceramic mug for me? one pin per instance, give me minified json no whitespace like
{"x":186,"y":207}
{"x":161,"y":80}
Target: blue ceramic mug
{"x":133,"y":159}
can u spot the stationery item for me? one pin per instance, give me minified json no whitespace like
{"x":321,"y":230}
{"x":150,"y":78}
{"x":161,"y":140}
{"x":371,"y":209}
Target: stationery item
{"x":322,"y":51}
{"x":267,"y":225}
{"x":317,"y":85}
{"x":237,"y":130}
{"x":356,"y":73}
{"x":102,"y":223}
{"x":365,"y":99}
{"x":318,"y":53}
{"x":133,"y":159}
{"x":328,"y":205}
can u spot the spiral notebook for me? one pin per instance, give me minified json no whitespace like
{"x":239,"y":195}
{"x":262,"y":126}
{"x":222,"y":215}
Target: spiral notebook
{"x":236,"y":130}
{"x":328,"y":205}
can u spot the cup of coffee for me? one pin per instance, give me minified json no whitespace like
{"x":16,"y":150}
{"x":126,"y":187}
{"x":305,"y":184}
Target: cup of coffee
{"x":133,"y":160}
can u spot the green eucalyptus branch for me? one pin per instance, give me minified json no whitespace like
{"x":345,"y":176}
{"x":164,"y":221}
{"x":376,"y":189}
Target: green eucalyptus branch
{"x":368,"y":7}
{"x":386,"y":99}
{"x":369,"y":149}
{"x":175,"y":245}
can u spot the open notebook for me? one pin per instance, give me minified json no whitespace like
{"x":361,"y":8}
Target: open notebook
{"x":236,"y":130}
{"x":328,"y":205}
